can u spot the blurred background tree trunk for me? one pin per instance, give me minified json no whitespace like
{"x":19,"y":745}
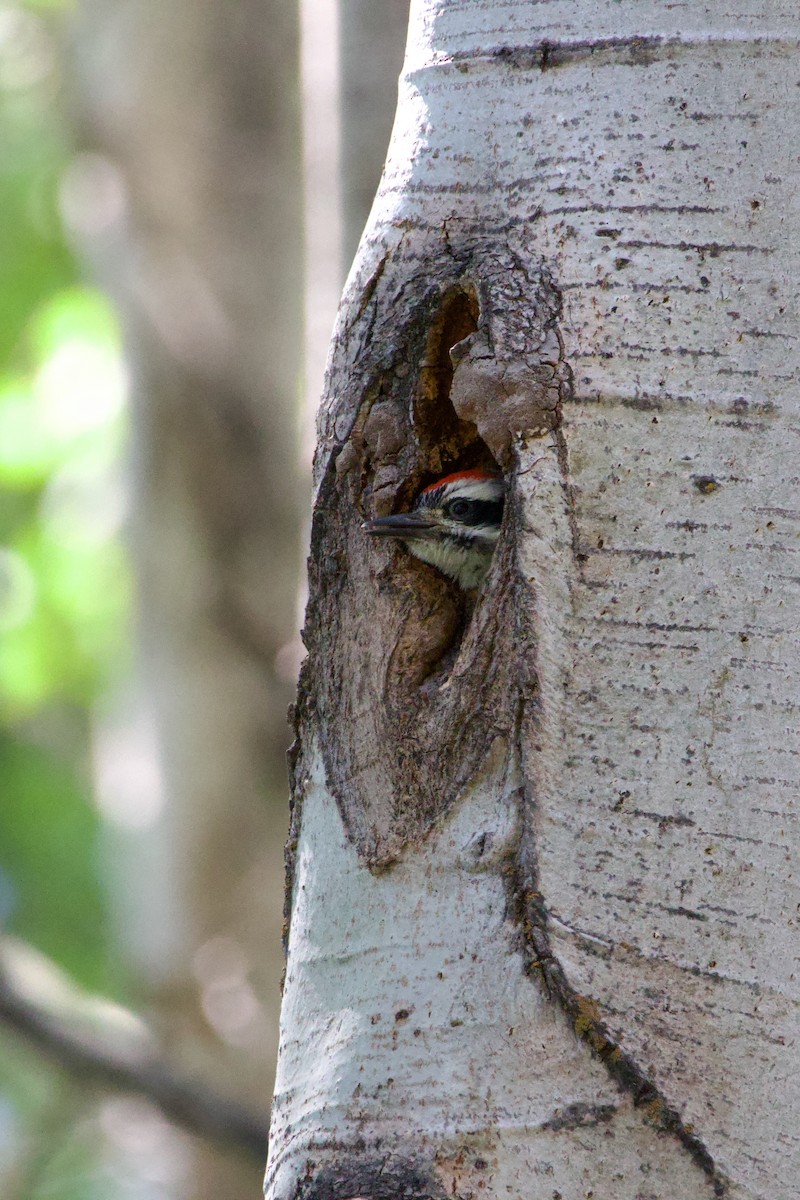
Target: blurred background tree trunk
{"x":193,"y":118}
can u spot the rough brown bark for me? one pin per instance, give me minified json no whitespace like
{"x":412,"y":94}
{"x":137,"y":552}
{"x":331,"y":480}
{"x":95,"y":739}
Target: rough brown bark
{"x":448,"y":690}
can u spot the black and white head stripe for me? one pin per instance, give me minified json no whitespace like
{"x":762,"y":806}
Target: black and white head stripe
{"x":473,"y":499}
{"x":454,"y":525}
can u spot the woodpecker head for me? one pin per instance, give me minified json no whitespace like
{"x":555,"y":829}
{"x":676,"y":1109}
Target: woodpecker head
{"x":453,"y":524}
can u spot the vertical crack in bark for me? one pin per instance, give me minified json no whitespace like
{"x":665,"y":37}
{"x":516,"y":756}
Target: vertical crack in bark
{"x":537,"y":732}
{"x":586,"y":1019}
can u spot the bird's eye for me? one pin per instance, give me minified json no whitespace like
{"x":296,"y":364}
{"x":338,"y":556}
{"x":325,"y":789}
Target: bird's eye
{"x":459,"y":508}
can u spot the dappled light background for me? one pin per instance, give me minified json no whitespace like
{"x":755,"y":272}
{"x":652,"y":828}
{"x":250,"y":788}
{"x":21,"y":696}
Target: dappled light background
{"x":64,"y":579}
{"x":92,"y":871}
{"x":65,"y":597}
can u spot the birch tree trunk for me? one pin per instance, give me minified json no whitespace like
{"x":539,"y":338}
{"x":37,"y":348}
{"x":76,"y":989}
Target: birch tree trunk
{"x":544,"y":906}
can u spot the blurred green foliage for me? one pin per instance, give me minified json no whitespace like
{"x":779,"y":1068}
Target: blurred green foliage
{"x":64,"y":588}
{"x":64,"y":634}
{"x":64,"y":595}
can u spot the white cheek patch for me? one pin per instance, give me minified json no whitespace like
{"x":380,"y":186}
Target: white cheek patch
{"x":487,"y":533}
{"x":435,"y":553}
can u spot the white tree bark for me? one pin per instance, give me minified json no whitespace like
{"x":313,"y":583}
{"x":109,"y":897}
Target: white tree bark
{"x":544,"y":902}
{"x":371,"y":41}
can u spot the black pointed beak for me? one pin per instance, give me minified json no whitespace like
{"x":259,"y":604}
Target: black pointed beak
{"x":401,"y":525}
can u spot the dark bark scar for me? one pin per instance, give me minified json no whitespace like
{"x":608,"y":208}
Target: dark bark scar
{"x":397,"y":654}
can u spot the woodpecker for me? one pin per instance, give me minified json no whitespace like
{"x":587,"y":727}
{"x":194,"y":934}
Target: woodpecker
{"x":453,"y":524}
